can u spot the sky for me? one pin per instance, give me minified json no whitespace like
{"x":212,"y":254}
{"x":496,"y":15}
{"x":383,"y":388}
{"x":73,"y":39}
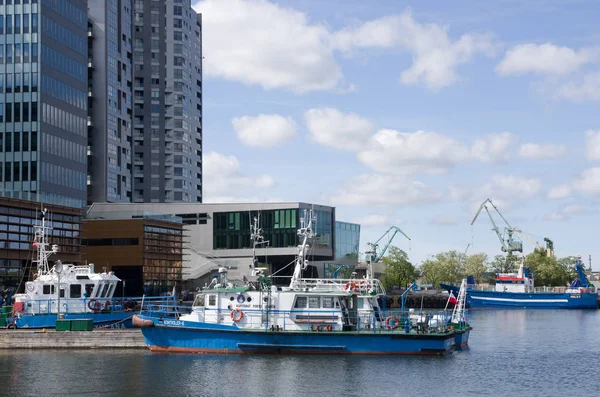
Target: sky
{"x":410,"y":114}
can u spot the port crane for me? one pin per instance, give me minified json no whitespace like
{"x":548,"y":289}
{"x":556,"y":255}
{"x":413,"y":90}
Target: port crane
{"x":511,"y":239}
{"x":509,"y":242}
{"x":372,"y":256}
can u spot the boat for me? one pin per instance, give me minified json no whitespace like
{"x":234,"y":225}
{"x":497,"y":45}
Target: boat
{"x":308,"y":316}
{"x":516,"y":290}
{"x":69,"y":292}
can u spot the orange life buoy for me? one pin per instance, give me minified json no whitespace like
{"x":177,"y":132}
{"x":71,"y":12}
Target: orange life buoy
{"x":329,"y":328}
{"x":387,"y":322}
{"x":350,"y":286}
{"x":94,"y":305}
{"x":237,"y":315}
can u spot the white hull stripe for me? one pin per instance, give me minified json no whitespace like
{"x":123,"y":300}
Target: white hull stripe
{"x":522,"y":300}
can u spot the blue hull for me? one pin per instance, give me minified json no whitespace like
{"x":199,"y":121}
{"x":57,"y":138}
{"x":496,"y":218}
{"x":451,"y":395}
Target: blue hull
{"x":116,"y":320}
{"x":461,"y":338}
{"x":537,"y":300}
{"x":180,"y":336}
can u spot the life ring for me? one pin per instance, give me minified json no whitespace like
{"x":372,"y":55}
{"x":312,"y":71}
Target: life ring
{"x":329,"y":328}
{"x":350,"y":286}
{"x":387,"y":322}
{"x":107,"y":304}
{"x":94,"y":305}
{"x":237,"y":315}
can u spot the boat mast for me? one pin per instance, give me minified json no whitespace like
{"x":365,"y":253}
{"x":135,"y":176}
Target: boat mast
{"x":305,"y":232}
{"x":257,"y":238}
{"x":39,"y":243}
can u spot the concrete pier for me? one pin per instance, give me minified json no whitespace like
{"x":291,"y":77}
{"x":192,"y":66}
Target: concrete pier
{"x":97,"y":339}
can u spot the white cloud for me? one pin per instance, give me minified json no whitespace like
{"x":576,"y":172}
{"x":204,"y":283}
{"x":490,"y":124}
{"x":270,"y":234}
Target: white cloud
{"x":261,"y":43}
{"x":592,"y":145}
{"x":586,"y":88}
{"x":510,"y":187}
{"x":406,"y":153}
{"x":567,"y":212}
{"x":435,"y":55}
{"x":556,"y":216}
{"x":372,"y":220}
{"x":330,"y":127}
{"x":493,"y":148}
{"x":385,"y":190}
{"x":224,"y":181}
{"x":559,"y":192}
{"x":444,"y":220}
{"x":541,"y":151}
{"x":546,"y":59}
{"x":588,"y":182}
{"x":264,"y":130}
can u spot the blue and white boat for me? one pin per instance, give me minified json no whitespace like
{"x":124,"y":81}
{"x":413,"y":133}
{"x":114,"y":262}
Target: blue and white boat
{"x":314,"y":316}
{"x":516,"y":290}
{"x":70,"y":292}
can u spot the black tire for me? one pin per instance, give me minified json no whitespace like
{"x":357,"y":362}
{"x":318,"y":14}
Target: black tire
{"x":11,"y":326}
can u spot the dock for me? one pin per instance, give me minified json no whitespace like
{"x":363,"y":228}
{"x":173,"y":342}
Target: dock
{"x":51,"y":339}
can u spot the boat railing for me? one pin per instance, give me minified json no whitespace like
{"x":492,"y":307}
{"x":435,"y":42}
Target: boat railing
{"x":363,"y":286}
{"x":298,"y":320}
{"x":94,"y":305}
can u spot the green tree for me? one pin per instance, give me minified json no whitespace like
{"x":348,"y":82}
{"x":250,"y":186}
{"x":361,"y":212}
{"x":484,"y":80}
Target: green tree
{"x":399,"y":271}
{"x":445,"y":266}
{"x":476,"y":266}
{"x":504,"y":264}
{"x":547,"y":270}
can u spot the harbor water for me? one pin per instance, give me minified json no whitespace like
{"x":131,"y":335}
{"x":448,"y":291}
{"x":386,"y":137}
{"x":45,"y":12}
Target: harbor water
{"x":511,"y":353}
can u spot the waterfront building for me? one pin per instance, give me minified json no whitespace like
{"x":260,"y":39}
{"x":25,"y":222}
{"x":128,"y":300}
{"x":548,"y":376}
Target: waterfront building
{"x":146,"y":254}
{"x":17,"y":218}
{"x":110,"y":78}
{"x":347,"y":240}
{"x":219,"y":234}
{"x":167,"y":96}
{"x":43,"y":106}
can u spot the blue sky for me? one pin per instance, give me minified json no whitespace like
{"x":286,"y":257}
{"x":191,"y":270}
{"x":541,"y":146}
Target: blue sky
{"x":409,"y":114}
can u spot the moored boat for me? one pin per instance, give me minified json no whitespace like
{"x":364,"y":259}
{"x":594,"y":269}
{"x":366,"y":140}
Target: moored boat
{"x":516,"y":290}
{"x":316,"y":316}
{"x":69,"y":292}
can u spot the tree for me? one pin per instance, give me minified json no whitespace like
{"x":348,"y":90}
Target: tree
{"x":399,"y":271}
{"x":547,"y":270}
{"x":445,"y":266}
{"x":476,"y":266}
{"x":504,"y":264}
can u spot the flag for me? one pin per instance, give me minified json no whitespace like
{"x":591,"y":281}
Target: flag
{"x":452,"y":299}
{"x":34,"y":242}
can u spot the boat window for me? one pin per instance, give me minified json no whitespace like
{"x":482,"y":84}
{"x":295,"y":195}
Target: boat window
{"x":314,"y":302}
{"x":75,"y":291}
{"x":104,"y":291}
{"x":111,"y":290}
{"x":327,"y":302}
{"x":46,"y":290}
{"x":212,"y":300}
{"x":199,"y":301}
{"x":62,"y":292}
{"x":300,"y":302}
{"x":89,"y":289}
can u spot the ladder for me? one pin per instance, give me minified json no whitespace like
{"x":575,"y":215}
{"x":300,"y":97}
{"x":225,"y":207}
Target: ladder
{"x":458,"y":314}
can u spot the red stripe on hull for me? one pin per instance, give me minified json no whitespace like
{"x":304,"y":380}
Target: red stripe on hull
{"x":161,"y":349}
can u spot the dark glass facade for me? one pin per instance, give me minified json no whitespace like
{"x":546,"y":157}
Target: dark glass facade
{"x":231,"y":230}
{"x":43,"y":101}
{"x":347,"y":240}
{"x":17,"y":219}
{"x":163,"y":264}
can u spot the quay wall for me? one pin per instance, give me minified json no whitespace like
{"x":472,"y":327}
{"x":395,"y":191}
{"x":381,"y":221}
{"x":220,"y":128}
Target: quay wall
{"x":97,"y":339}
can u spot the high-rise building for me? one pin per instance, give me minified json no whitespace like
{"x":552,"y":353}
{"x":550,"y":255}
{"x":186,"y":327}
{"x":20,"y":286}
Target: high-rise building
{"x":109,"y":100}
{"x":43,"y":106}
{"x":167,"y":95}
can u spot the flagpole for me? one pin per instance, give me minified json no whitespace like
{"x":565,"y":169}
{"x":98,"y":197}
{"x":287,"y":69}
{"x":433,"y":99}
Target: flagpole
{"x":448,"y":301}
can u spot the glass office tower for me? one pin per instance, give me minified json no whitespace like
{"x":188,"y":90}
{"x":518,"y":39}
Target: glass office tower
{"x":43,"y":81}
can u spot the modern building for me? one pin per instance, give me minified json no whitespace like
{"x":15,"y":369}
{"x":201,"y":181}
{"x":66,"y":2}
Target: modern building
{"x":347,"y":240}
{"x":167,"y":97}
{"x":43,"y":106}
{"x":110,"y":108}
{"x":17,"y":218}
{"x":219,"y":234}
{"x":146,"y":254}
